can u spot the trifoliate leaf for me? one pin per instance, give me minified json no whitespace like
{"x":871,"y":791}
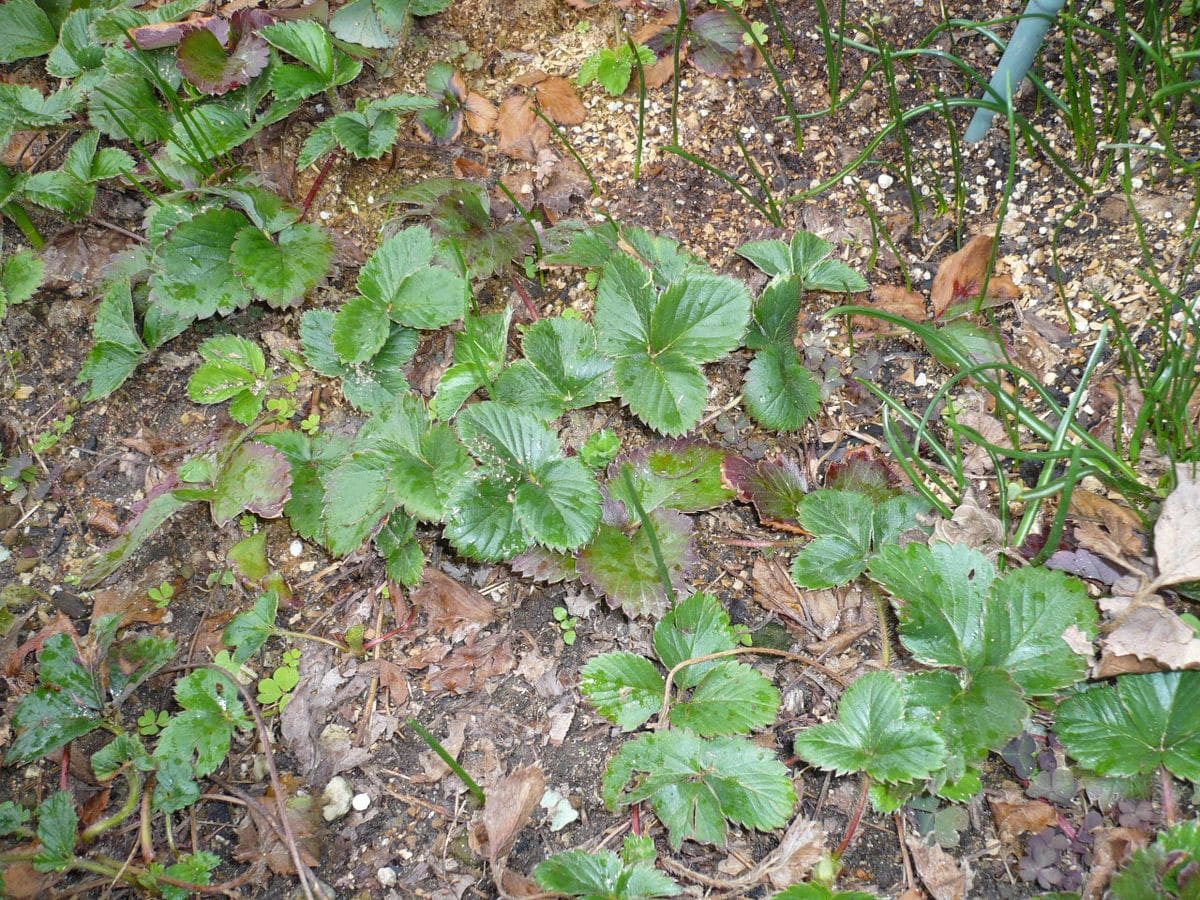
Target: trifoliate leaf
{"x":733,"y":698}
{"x":660,"y":341}
{"x":780,"y":393}
{"x":232,"y":366}
{"x":619,"y":563}
{"x":805,"y":257}
{"x":194,"y":868}
{"x":402,"y":276}
{"x":874,"y":735}
{"x":479,"y":352}
{"x":283,"y":268}
{"x":256,"y":479}
{"x":12,"y":818}
{"x":307,"y":41}
{"x":602,"y":874}
{"x":1136,"y":725}
{"x":193,"y":273}
{"x":370,"y":385}
{"x":368,"y":134}
{"x":57,"y":828}
{"x":1163,"y":871}
{"x":695,"y":784}
{"x":696,"y":627}
{"x":842,"y":524}
{"x":683,"y":475}
{"x":561,"y":370}
{"x":774,"y":486}
{"x":25,"y":31}
{"x":625,"y":688}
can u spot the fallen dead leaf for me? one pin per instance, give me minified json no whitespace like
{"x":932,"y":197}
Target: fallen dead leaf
{"x":775,"y":591}
{"x":1177,"y":531}
{"x":558,"y":100}
{"x":258,"y":840}
{"x":521,"y":134}
{"x":469,"y":169}
{"x":1149,"y":638}
{"x":802,"y":847}
{"x":468,"y":668}
{"x":565,"y":184}
{"x":960,"y":277}
{"x":509,"y":806}
{"x":480,"y":113}
{"x":943,"y":876}
{"x":131,"y":604}
{"x":894,"y":299}
{"x":1015,"y":815}
{"x":452,"y":608}
{"x":977,"y":461}
{"x":1085,"y":564}
{"x":972,"y":525}
{"x":662,"y":70}
{"x":1111,"y":847}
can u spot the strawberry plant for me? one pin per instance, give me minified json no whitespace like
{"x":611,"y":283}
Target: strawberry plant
{"x":629,"y":876}
{"x":20,"y":276}
{"x":1166,"y":870}
{"x":479,"y":353}
{"x":367,"y":132}
{"x":702,"y":771}
{"x":380,"y":24}
{"x":780,"y":392}
{"x":613,"y":68}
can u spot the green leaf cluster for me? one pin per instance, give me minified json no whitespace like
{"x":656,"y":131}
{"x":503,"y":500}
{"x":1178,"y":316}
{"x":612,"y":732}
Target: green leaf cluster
{"x":20,"y":276}
{"x":613,"y":68}
{"x":629,"y":876}
{"x":849,"y":528}
{"x":380,"y":24}
{"x":1166,"y":870}
{"x":366,"y":132}
{"x":70,"y":189}
{"x":702,"y":772}
{"x":660,"y":338}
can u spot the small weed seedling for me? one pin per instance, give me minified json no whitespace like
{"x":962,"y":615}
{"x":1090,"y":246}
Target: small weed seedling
{"x":151,"y":723}
{"x":162,"y":595}
{"x":566,"y":624}
{"x":613,"y":68}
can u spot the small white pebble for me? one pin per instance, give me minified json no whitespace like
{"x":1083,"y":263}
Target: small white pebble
{"x":885,"y":180}
{"x":361,"y":802}
{"x":386,"y":877}
{"x":295,"y":548}
{"x":326,"y":215}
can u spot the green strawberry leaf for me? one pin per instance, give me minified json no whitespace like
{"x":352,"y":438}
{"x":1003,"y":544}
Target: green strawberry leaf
{"x":57,"y":831}
{"x":312,"y":459}
{"x":806,"y":258}
{"x":733,"y":698}
{"x":306,"y":40}
{"x":367,"y":134}
{"x":1163,"y":871}
{"x":696,"y":627}
{"x":775,"y":312}
{"x":360,"y":329}
{"x":603,"y":874}
{"x":193,"y":274}
{"x":249,"y":630}
{"x":625,"y":688}
{"x":369,"y":385}
{"x":874,"y":734}
{"x":25,"y":31}
{"x":118,"y":349}
{"x":283,"y":268}
{"x":780,"y":393}
{"x":233,"y":367}
{"x":402,"y":277}
{"x":842,"y":521}
{"x":682,"y":475}
{"x":396,"y":542}
{"x":562,"y":369}
{"x":1136,"y":725}
{"x":483,"y":524}
{"x":696,"y":784}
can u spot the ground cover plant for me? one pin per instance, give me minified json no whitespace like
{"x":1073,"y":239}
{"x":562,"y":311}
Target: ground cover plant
{"x":572,"y":451}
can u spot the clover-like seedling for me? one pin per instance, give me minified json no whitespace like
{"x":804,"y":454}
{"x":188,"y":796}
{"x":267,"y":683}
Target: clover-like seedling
{"x":151,"y":723}
{"x":566,"y":623}
{"x":162,"y":594}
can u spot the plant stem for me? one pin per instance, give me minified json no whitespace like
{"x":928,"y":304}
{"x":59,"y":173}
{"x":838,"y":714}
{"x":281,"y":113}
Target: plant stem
{"x":20,"y":218}
{"x":304,"y":636}
{"x":855,"y":819}
{"x":436,"y":746}
{"x":317,"y":182}
{"x":885,"y":628}
{"x":1168,"y":792}
{"x":133,"y":779}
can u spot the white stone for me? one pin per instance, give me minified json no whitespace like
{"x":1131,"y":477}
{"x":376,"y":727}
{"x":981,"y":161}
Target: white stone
{"x":885,"y":180}
{"x":295,"y":548}
{"x":336,"y":798}
{"x":361,"y":802}
{"x":386,"y":877}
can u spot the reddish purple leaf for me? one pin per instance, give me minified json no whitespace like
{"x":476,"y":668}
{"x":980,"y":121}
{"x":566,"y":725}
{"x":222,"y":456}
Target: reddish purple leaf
{"x":225,"y":55}
{"x":864,"y":472}
{"x":774,"y":487}
{"x":545,"y":565}
{"x":256,"y":479}
{"x":620,"y":565}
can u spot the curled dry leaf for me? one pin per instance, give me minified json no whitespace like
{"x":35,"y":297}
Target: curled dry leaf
{"x":521,"y":134}
{"x":1016,"y":815}
{"x":960,"y":277}
{"x":1149,"y":638}
{"x":894,"y":299}
{"x":480,"y":113}
{"x":1177,"y":531}
{"x":257,"y":838}
{"x":468,"y":668}
{"x":452,"y":608}
{"x":802,"y":847}
{"x":468,"y":168}
{"x":942,"y":875}
{"x":1111,"y":847}
{"x":433,"y":768}
{"x":509,"y":806}
{"x":972,"y":525}
{"x":558,"y":99}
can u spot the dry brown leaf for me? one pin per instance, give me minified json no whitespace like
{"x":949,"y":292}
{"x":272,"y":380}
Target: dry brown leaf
{"x":960,"y":277}
{"x":558,"y":100}
{"x":1015,"y":815}
{"x":480,"y":113}
{"x":775,"y":591}
{"x":1177,"y":531}
{"x":1111,"y":847}
{"x":452,"y":608}
{"x":23,"y":148}
{"x":976,"y":461}
{"x":943,"y":876}
{"x":23,"y":882}
{"x":1086,"y":504}
{"x":131,"y":604}
{"x":468,"y":668}
{"x":662,"y":70}
{"x":892,"y":298}
{"x":1149,"y":638}
{"x":468,"y":168}
{"x":258,"y":840}
{"x":972,"y":525}
{"x":565,"y":184}
{"x":509,"y":806}
{"x":802,"y":847}
{"x":521,"y":134}
{"x":530,"y":77}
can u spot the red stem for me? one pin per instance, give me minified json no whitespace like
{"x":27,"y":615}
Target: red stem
{"x":852,"y":825}
{"x":635,"y":824}
{"x":375,"y":642}
{"x":317,"y":182}
{"x":1168,"y":796}
{"x":525,"y":298}
{"x":64,"y":783}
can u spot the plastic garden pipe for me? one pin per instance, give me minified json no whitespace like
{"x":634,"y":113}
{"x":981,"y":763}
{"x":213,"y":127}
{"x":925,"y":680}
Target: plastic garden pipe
{"x":1018,"y":57}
